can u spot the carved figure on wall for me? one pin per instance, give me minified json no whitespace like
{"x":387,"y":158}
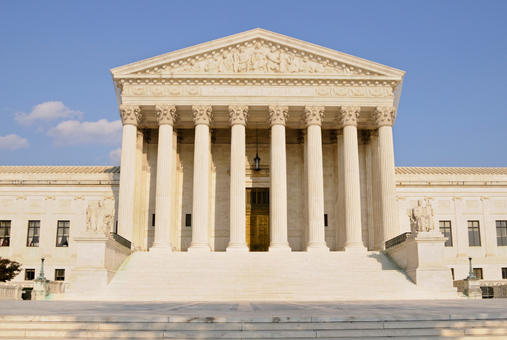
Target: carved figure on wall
{"x":273,"y":60}
{"x":258,"y":59}
{"x":306,"y":66}
{"x":99,"y":219}
{"x":192,"y":67}
{"x":421,"y":218}
{"x":212,"y":64}
{"x":288,"y":64}
{"x":241,"y":60}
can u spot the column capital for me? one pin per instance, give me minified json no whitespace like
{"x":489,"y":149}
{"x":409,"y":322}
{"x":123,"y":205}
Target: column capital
{"x":313,"y":115}
{"x":166,"y":114}
{"x":202,"y":114}
{"x":238,"y":114}
{"x":349,"y":115}
{"x":130,"y":114}
{"x":278,"y":114}
{"x":384,"y":115}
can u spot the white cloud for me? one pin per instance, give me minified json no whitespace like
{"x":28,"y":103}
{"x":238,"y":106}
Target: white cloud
{"x":13,"y":142}
{"x":73,"y":132}
{"x":46,"y":111}
{"x":115,"y":156}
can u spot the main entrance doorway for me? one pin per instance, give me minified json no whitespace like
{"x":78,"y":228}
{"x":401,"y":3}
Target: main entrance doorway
{"x":257,"y":219}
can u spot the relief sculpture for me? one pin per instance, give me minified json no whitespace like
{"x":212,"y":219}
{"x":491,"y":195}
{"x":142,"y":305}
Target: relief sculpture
{"x":259,"y":58}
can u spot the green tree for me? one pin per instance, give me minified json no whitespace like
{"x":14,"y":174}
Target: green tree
{"x":8,"y":269}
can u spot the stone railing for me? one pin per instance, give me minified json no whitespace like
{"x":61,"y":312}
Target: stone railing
{"x":123,"y":241}
{"x":491,"y":289}
{"x":10,"y":291}
{"x":56,"y":287}
{"x":397,"y":240}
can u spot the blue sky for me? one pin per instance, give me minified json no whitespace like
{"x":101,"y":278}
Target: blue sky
{"x":58,"y":106}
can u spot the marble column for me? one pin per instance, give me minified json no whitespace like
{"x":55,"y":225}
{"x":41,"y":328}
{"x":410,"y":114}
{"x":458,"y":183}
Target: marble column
{"x":130,"y":116}
{"x":277,"y":118}
{"x":315,"y":179}
{"x":376,"y":190}
{"x":200,"y":199}
{"x":238,"y":115}
{"x":166,"y":116}
{"x":384,"y":117}
{"x":349,"y":116}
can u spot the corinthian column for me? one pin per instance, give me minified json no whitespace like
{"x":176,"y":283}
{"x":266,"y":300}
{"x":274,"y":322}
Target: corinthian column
{"x":384,"y":117}
{"x":166,"y":115}
{"x":130,"y":116}
{"x":277,"y":118}
{"x":200,"y":200}
{"x":238,"y":115}
{"x":315,"y":179}
{"x":348,"y":119}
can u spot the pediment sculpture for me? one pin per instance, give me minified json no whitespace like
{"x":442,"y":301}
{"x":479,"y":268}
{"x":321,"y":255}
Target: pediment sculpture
{"x":259,"y":58}
{"x":99,"y":219}
{"x":421,"y":218}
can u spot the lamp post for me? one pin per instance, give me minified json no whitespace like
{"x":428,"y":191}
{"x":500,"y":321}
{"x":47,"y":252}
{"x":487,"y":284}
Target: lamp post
{"x":41,"y":274}
{"x":257,"y":159}
{"x":471,"y":275}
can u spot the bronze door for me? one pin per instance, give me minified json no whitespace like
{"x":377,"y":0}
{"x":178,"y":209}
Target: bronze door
{"x":257,"y":219}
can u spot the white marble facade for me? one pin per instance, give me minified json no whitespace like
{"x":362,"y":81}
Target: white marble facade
{"x":324,"y":123}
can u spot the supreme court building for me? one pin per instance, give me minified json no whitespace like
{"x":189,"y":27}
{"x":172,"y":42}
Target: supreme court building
{"x":256,"y":142}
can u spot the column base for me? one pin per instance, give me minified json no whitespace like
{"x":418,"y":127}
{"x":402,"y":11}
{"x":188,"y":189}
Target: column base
{"x":280,"y":248}
{"x":237,"y":248}
{"x":317,"y":247}
{"x":161,"y":248}
{"x":355,"y":247}
{"x":199,"y":248}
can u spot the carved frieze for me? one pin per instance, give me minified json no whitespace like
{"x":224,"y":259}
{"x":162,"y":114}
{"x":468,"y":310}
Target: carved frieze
{"x":257,"y":56}
{"x":202,"y":114}
{"x":384,"y":115}
{"x":238,"y":114}
{"x":130,"y":114}
{"x":166,"y":114}
{"x":251,"y":90}
{"x":349,"y":115}
{"x":278,"y":114}
{"x":313,"y":115}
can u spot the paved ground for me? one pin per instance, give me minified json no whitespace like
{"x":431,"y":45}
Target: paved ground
{"x":480,"y":308}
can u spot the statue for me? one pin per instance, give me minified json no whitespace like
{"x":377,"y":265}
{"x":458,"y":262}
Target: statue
{"x":273,"y":64}
{"x":306,"y":66}
{"x":212,"y":64}
{"x":241,"y":60}
{"x":421,"y":218}
{"x":258,"y":59}
{"x":99,"y":219}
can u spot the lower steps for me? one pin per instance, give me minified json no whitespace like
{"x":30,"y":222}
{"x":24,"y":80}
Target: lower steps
{"x":260,"y":276}
{"x":298,"y":327}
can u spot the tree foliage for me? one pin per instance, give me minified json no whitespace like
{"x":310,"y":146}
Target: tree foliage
{"x":8,"y":269}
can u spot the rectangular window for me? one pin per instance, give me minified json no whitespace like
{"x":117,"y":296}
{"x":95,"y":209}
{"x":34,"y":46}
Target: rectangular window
{"x":32,"y":239}
{"x":504,"y":273}
{"x":153,"y":220}
{"x":325,"y":220}
{"x":5,"y":233}
{"x":478,"y":273}
{"x":501,"y":233}
{"x":452,"y":273}
{"x":29,"y":274}
{"x":188,"y":220}
{"x":59,"y":274}
{"x":445,"y":228}
{"x":62,"y":234}
{"x":474,"y":235}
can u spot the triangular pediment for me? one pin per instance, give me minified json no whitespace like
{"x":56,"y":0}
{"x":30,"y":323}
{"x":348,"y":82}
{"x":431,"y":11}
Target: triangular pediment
{"x":256,"y":52}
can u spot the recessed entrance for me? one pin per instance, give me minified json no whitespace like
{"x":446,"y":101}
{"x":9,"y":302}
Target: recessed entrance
{"x":257,"y":219}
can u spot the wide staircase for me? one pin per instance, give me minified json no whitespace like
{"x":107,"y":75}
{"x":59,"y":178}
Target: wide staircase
{"x":296,"y":276}
{"x":331,"y":327}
